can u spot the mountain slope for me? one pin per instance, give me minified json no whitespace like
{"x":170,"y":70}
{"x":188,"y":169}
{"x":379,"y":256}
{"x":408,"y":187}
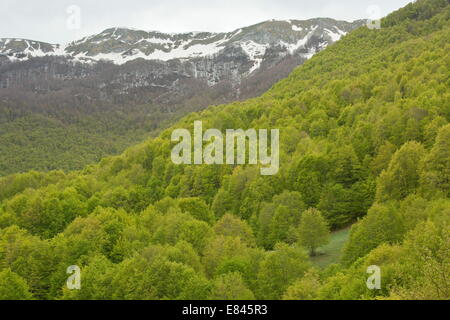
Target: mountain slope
{"x":209,"y":57}
{"x":364,"y":135}
{"x":96,"y":96}
{"x":121,"y":45}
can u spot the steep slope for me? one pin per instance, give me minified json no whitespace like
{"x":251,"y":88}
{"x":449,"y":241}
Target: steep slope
{"x":364,"y":135}
{"x":98,"y":95}
{"x":121,"y":45}
{"x":211,"y":58}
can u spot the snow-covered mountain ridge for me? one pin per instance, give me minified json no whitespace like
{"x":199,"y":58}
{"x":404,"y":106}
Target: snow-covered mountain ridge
{"x":121,"y":45}
{"x":122,"y":64}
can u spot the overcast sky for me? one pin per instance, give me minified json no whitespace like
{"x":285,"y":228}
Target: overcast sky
{"x":59,"y":21}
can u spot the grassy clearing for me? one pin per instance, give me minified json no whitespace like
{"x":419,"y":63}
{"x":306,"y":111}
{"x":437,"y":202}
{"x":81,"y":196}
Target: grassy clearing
{"x":331,"y":253}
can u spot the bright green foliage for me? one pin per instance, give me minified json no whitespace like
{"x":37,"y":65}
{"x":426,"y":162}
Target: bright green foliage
{"x":381,"y":225}
{"x":232,"y":226}
{"x":313,"y":231}
{"x":13,"y":287}
{"x":279,"y":219}
{"x":230,"y":286}
{"x":221,"y":250}
{"x":436,"y":166}
{"x":351,"y":283}
{"x":417,"y":269}
{"x":96,"y":281}
{"x":426,"y":263}
{"x":304,"y":289}
{"x":197,"y":208}
{"x":402,"y":176}
{"x":364,"y":140}
{"x":280,"y":269}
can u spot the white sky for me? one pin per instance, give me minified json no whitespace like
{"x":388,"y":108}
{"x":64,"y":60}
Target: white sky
{"x":48,"y":20}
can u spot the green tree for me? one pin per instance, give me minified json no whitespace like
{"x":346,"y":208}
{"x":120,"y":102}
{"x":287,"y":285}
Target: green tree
{"x":278,"y":220}
{"x":96,"y":279}
{"x":435,"y":176}
{"x":230,"y":286}
{"x":230,"y":225}
{"x":222,"y":249}
{"x":304,"y":289}
{"x":313,"y":231}
{"x":424,"y":264}
{"x":13,"y":287}
{"x":197,"y":208}
{"x":402,"y":176}
{"x":197,"y":233}
{"x":383,"y":158}
{"x":280,"y":269}
{"x":383,"y":224}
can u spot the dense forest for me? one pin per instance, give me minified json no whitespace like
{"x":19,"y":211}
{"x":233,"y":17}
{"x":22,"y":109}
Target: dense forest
{"x":364,"y":142}
{"x":72,"y":126}
{"x":57,"y":113}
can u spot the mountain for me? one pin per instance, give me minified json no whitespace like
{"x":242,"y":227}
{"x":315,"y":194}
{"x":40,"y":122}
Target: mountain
{"x":210,"y":57}
{"x":96,"y":96}
{"x":364,"y":141}
{"x":121,"y":45}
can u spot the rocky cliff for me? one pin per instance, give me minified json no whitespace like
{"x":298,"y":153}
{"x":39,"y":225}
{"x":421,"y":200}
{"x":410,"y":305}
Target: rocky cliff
{"x":119,"y":61}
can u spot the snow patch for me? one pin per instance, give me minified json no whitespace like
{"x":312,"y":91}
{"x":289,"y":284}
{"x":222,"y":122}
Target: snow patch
{"x":169,"y":46}
{"x":335,"y":36}
{"x":255,"y":52}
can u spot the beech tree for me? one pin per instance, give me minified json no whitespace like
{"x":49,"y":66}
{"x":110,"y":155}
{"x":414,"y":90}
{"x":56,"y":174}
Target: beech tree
{"x":313,"y":231}
{"x":13,"y":287}
{"x":230,"y":286}
{"x":280,"y":269}
{"x":402,"y":175}
{"x":304,"y":289}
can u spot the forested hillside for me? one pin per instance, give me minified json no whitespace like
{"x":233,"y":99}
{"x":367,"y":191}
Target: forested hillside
{"x":63,"y":107}
{"x":364,"y":140}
